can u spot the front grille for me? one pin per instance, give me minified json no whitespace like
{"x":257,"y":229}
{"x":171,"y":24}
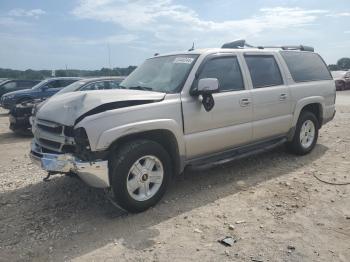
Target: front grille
{"x":50,"y":144}
{"x":55,"y":130}
{"x":53,"y":137}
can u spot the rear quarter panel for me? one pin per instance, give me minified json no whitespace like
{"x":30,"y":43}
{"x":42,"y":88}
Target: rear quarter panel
{"x":304,"y":93}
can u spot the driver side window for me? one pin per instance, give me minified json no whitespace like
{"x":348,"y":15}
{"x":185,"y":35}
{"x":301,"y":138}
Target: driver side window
{"x":226,"y":70}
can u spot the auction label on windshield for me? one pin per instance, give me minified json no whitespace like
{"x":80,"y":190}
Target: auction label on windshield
{"x":183,"y":60}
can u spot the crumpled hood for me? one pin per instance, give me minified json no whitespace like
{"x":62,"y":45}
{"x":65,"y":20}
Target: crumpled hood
{"x":65,"y":109}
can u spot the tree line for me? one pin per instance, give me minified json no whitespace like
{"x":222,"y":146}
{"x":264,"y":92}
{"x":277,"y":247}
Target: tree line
{"x":342,"y":64}
{"x":30,"y":74}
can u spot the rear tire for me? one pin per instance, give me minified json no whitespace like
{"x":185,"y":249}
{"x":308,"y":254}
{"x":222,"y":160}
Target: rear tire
{"x":306,"y":134}
{"x":140,"y":174}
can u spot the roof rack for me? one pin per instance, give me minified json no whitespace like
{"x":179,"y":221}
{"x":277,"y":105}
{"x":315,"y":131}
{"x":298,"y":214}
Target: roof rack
{"x":241,"y":44}
{"x":291,"y":47}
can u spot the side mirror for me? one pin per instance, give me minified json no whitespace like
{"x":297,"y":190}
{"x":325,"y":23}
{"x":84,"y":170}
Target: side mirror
{"x":44,"y":88}
{"x":208,"y":86}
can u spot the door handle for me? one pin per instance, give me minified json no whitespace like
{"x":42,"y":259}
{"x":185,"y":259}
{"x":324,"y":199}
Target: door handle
{"x":244,"y":102}
{"x":283,"y":97}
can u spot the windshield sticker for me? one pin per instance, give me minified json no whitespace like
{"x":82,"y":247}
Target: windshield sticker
{"x":183,"y":60}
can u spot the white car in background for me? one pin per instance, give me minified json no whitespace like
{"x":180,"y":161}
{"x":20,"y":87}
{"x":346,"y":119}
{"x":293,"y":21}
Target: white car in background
{"x":342,"y":79}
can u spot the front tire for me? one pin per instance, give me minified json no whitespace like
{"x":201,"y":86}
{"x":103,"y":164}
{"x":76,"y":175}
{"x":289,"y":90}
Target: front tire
{"x":140,"y":174}
{"x":342,"y":86}
{"x":306,"y":134}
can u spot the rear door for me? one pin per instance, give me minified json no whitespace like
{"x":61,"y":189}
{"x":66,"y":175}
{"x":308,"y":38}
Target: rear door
{"x":228,"y":124}
{"x":272,"y":104}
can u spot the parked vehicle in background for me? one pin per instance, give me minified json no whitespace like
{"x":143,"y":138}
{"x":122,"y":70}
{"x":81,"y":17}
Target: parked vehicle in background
{"x":197,"y":108}
{"x":7,"y":85}
{"x":44,"y":89}
{"x":20,"y":114}
{"x":98,"y":83}
{"x":342,"y":79}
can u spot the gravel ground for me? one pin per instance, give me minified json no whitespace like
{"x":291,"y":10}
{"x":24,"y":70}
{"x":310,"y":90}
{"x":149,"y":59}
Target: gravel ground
{"x":271,"y":204}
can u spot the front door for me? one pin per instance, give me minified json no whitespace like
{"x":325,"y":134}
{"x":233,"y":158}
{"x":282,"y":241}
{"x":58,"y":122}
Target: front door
{"x":228,"y":124}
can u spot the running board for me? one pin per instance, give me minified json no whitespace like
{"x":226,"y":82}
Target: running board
{"x":234,"y":154}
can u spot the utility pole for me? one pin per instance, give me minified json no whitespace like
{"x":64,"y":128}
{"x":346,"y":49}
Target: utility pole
{"x":109,"y":55}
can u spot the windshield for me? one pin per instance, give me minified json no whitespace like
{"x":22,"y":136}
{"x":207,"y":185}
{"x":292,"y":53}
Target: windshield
{"x":42,"y":83}
{"x":72,"y":87}
{"x":161,"y":74}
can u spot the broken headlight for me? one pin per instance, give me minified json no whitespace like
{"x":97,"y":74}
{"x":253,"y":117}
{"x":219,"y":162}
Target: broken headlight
{"x":82,"y":145}
{"x":81,"y":138}
{"x":83,"y":149}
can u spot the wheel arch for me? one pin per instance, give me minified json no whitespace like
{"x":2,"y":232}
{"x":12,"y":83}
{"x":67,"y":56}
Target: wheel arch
{"x":164,"y":137}
{"x":314,"y":105}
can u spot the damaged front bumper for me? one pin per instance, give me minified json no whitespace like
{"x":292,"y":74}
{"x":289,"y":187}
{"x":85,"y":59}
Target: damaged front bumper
{"x":94,"y":173}
{"x":19,"y":123}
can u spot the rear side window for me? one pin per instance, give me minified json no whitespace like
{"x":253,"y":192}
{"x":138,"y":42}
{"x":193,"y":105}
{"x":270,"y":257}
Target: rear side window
{"x":305,"y":66}
{"x":264,"y":70}
{"x":226,"y":70}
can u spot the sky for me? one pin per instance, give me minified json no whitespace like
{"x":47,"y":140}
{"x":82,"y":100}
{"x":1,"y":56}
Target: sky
{"x":91,"y":34}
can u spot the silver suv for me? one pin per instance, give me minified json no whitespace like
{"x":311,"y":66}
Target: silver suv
{"x":197,"y":108}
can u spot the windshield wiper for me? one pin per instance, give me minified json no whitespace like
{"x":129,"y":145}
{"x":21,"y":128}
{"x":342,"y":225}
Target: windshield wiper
{"x":140,"y":88}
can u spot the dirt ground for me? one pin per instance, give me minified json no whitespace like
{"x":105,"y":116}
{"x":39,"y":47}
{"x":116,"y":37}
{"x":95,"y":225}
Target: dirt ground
{"x":271,"y":204}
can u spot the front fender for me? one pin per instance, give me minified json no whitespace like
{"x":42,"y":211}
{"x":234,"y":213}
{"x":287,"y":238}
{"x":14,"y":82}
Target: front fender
{"x":306,"y":101}
{"x":111,"y":135}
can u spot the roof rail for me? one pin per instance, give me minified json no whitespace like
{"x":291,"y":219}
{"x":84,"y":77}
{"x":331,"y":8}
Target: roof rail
{"x":291,"y":47}
{"x":240,"y":44}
